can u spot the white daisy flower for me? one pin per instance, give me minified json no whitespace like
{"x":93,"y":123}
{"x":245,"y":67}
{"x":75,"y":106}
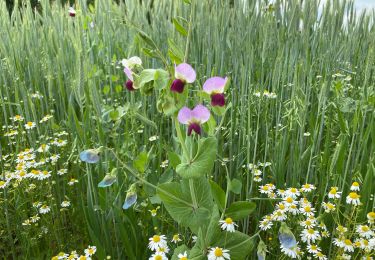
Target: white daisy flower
{"x":176,"y":238}
{"x":308,"y":223}
{"x":228,"y":225}
{"x":30,"y":125}
{"x":348,"y":246}
{"x":90,"y":250}
{"x":293,"y":192}
{"x":355,"y":186}
{"x":353,"y":198}
{"x":158,"y":256}
{"x":65,"y":204}
{"x":62,"y":171}
{"x":182,"y":256}
{"x":291,"y":252}
{"x":364,"y":231}
{"x":308,"y":187}
{"x":293,"y":209}
{"x":72,"y":182}
{"x":266,"y":223}
{"x":307,"y":211}
{"x":320,"y":256}
{"x":157,"y":241}
{"x":328,"y":207}
{"x":313,"y":249}
{"x":339,"y":242}
{"x":371,"y":217}
{"x":341,"y":229}
{"x":43,"y":148}
{"x":217,"y":253}
{"x":3,"y":184}
{"x":334,"y":194}
{"x":164,"y":249}
{"x":44,"y":209}
{"x":279,"y":215}
{"x":310,"y":235}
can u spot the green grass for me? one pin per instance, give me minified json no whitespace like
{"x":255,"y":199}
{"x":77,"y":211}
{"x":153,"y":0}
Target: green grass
{"x":291,"y":51}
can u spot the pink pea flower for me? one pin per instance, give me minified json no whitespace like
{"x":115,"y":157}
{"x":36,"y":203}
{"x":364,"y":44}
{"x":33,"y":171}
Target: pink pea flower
{"x":129,"y":64}
{"x":194,"y":118}
{"x":184,"y":73}
{"x":215,"y":88}
{"x":72,"y":12}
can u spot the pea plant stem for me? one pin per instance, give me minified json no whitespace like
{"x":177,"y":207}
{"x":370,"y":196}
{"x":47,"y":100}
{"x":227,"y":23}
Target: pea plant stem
{"x":132,"y":172}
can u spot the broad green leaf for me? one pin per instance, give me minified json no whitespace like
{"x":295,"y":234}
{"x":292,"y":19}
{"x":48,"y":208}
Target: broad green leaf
{"x":161,"y":79}
{"x":178,"y":202}
{"x":179,"y":27}
{"x":202,"y":162}
{"x":174,"y":159}
{"x":218,"y":194}
{"x":145,"y":77}
{"x":239,"y":244}
{"x":140,"y":162}
{"x":235,"y":186}
{"x":106,"y":89}
{"x":240,"y":209}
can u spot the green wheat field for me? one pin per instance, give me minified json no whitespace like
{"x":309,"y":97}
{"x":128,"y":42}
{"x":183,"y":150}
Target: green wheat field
{"x":187,"y":129}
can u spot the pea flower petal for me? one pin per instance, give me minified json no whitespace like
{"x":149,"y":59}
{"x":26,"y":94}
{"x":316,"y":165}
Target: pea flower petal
{"x":214,"y":85}
{"x":194,"y":118}
{"x":89,"y":156}
{"x":185,"y":73}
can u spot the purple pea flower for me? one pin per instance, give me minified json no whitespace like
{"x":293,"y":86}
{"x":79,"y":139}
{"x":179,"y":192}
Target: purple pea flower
{"x":215,"y":88}
{"x":184,"y":73}
{"x":72,"y":12}
{"x":129,"y":83}
{"x":194,"y":118}
{"x":129,"y":64}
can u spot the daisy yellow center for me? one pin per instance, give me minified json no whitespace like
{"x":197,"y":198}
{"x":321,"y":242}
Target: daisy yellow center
{"x":293,"y":190}
{"x":265,"y":188}
{"x":354,"y":195}
{"x":330,"y":206}
{"x":218,"y":252}
{"x":308,"y":222}
{"x":313,"y":247}
{"x":158,"y":257}
{"x":228,"y":221}
{"x":161,"y":249}
{"x":17,"y":116}
{"x":153,"y":211}
{"x":357,"y":244}
{"x":348,"y":242}
{"x":183,"y":258}
{"x":2,"y":183}
{"x":319,"y":254}
{"x":310,"y":231}
{"x":306,"y":186}
{"x":355,"y":184}
{"x":371,"y":215}
{"x":293,"y":206}
{"x":282,"y":206}
{"x":156,"y":239}
{"x":333,"y":191}
{"x":82,"y":257}
{"x":30,"y":123}
{"x":365,"y":228}
{"x":61,"y":254}
{"x":175,"y":237}
{"x":289,"y":200}
{"x":91,"y":251}
{"x":307,"y":209}
{"x":365,"y":242}
{"x":341,"y":228}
